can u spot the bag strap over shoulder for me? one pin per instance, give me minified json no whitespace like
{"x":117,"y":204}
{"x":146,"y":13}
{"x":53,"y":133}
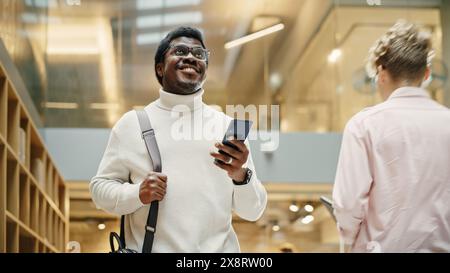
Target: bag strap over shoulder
{"x":148,"y":134}
{"x":122,"y":224}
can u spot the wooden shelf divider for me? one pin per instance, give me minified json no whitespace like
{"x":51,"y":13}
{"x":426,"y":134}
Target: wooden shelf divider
{"x":2,"y":196}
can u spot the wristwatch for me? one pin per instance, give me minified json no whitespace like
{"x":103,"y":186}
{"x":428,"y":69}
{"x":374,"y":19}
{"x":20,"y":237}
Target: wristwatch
{"x":248,"y":176}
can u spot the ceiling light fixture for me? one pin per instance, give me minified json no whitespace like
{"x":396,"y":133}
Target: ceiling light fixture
{"x":309,"y":208}
{"x":293,"y":207}
{"x":159,"y":4}
{"x":307,"y":219}
{"x":105,"y":106}
{"x":275,"y":81}
{"x":334,"y":55}
{"x":61,"y":105}
{"x":254,"y":36}
{"x":276,"y":228}
{"x":73,"y":50}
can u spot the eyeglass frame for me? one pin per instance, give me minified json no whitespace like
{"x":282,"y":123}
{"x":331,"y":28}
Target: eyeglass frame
{"x":208,"y":53}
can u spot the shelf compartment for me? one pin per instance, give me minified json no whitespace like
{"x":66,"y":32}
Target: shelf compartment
{"x":62,"y":243}
{"x":56,"y":188}
{"x":12,"y":187}
{"x":34,"y":208}
{"x":24,"y":199}
{"x":62,"y":199}
{"x":27,"y":242}
{"x":3,"y":106}
{"x":50,"y":231}
{"x":24,"y":139}
{"x":42,"y":215}
{"x":42,"y":248}
{"x":13,"y":120}
{"x":12,"y":237}
{"x":49,"y":180}
{"x":37,"y":159}
{"x":55,"y":235}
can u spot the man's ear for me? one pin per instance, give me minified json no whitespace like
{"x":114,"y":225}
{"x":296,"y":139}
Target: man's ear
{"x":160,"y":69}
{"x":382,"y":74}
{"x":427,"y":73}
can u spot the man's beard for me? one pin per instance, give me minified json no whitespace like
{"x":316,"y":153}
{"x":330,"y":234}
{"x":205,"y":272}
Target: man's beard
{"x":190,"y":87}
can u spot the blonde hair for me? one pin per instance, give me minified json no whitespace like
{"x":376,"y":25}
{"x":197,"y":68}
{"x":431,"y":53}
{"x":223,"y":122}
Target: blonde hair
{"x":404,"y":51}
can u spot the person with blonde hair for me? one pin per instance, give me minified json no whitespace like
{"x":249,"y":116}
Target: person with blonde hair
{"x":392,"y":185}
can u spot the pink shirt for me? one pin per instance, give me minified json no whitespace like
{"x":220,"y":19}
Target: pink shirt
{"x":392,"y":186}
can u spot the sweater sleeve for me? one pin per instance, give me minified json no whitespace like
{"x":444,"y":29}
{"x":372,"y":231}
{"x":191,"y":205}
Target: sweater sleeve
{"x":110,"y":189}
{"x":250,"y":200}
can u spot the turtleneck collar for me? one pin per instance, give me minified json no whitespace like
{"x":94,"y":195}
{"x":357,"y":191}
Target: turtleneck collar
{"x":180,"y":103}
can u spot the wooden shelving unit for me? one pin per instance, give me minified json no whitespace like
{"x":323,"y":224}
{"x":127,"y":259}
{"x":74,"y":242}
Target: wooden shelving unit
{"x":34,"y":201}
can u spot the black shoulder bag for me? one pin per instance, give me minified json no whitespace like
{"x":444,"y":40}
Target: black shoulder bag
{"x":148,"y":134}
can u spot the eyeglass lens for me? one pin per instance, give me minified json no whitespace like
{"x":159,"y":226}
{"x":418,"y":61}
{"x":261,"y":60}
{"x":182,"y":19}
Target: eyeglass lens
{"x":197,"y":52}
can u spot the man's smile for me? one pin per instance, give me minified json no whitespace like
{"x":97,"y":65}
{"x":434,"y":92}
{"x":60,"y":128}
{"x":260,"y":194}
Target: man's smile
{"x":188,"y":69}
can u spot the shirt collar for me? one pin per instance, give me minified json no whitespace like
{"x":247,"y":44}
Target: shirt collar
{"x":404,"y":92}
{"x":180,"y":103}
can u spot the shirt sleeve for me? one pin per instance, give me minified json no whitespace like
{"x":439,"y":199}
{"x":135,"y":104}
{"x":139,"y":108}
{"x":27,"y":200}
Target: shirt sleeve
{"x":352,"y":183}
{"x":250,"y":200}
{"x":110,"y":189}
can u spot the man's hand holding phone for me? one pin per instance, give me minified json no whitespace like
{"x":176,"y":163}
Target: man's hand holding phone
{"x":233,"y":160}
{"x":233,"y":153}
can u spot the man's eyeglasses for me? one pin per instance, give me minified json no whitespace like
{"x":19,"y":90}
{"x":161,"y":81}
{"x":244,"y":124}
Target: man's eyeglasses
{"x":183,"y":50}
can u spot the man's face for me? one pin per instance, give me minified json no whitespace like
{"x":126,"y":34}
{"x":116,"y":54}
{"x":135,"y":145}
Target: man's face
{"x":182,"y":74}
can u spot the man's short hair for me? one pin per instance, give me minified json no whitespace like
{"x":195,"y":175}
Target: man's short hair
{"x":404,"y":51}
{"x":188,"y":32}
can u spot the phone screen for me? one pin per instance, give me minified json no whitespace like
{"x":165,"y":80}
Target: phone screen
{"x":238,"y":129}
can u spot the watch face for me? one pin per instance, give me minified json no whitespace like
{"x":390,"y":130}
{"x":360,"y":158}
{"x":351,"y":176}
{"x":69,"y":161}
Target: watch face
{"x":249,"y":175}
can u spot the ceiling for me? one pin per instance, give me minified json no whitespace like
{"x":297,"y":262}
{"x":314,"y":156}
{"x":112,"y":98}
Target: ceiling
{"x":99,"y":53}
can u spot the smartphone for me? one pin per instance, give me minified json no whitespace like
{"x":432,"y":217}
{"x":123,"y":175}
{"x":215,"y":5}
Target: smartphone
{"x":329,"y":205}
{"x":238,"y":129}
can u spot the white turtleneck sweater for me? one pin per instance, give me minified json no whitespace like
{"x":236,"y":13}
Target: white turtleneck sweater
{"x":196,"y":213}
